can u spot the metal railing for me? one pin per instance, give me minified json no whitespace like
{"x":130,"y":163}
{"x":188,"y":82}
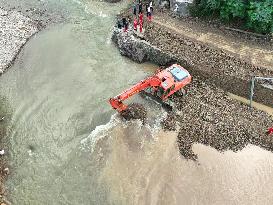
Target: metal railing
{"x":252,"y":87}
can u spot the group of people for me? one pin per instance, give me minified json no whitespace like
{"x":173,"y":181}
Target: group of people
{"x":138,"y":13}
{"x":138,"y":16}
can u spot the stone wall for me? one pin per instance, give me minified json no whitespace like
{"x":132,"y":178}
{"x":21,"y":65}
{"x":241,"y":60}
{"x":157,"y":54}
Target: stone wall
{"x":139,"y":50}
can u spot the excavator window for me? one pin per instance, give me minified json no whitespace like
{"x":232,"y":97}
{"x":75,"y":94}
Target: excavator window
{"x":167,"y":91}
{"x":160,"y":92}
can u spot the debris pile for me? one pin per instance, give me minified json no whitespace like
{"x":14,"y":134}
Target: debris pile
{"x":135,"y":111}
{"x":210,"y":117}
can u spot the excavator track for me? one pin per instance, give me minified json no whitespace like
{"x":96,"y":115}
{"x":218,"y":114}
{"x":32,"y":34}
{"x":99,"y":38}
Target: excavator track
{"x":166,"y":105}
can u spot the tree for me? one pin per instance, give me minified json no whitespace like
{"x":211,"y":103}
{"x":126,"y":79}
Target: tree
{"x":260,"y":16}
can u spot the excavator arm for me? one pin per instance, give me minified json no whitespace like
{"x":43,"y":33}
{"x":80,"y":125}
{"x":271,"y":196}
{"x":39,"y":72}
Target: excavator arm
{"x":117,"y":102}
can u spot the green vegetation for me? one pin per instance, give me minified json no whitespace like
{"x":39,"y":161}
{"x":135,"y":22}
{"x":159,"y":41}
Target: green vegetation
{"x":255,"y":15}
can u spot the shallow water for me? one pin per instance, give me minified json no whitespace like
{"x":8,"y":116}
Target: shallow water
{"x":69,"y":147}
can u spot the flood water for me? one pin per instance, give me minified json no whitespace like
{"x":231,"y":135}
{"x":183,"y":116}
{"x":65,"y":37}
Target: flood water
{"x":67,"y":146}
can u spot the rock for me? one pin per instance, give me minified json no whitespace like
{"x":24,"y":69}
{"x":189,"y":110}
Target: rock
{"x":6,"y":170}
{"x":1,"y":72}
{"x":210,"y":117}
{"x":135,"y":111}
{"x":137,"y":49}
{"x":3,"y":12}
{"x":2,"y":152}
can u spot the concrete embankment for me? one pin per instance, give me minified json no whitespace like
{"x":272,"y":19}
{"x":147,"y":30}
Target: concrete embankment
{"x":15,"y":30}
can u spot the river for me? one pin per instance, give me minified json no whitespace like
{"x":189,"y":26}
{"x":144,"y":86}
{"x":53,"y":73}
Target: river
{"x":67,"y":146}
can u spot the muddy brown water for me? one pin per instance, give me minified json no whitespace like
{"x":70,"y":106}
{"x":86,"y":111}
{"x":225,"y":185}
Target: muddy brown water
{"x":67,"y":146}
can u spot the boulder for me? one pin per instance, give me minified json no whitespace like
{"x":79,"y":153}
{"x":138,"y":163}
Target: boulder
{"x":180,"y":7}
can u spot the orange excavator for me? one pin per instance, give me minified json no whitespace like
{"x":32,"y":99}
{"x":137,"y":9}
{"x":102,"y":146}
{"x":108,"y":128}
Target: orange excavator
{"x":161,"y":85}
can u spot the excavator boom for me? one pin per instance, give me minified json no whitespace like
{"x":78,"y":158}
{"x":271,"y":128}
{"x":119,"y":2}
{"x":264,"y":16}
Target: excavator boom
{"x":117,"y":102}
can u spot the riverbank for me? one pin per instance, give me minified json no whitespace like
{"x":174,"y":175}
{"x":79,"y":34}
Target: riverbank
{"x":206,"y":114}
{"x":15,"y":31}
{"x":18,"y":26}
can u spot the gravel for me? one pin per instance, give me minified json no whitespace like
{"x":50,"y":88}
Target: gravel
{"x":226,"y":71}
{"x":207,"y":115}
{"x":15,"y":30}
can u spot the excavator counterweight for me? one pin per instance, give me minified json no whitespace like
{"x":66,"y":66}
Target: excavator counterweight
{"x":162,"y":85}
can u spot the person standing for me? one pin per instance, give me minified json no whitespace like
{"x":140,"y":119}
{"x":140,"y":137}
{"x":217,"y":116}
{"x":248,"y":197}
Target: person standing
{"x":140,"y":22}
{"x":140,"y":17}
{"x":149,"y":14}
{"x":147,"y":6}
{"x":135,"y":24}
{"x":140,"y":7}
{"x":119,"y":24}
{"x":125,"y":24}
{"x":151,"y":6}
{"x":134,"y":8}
{"x":140,"y":27}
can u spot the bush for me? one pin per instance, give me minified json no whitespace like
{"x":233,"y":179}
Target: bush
{"x":257,"y":15}
{"x":232,"y":9}
{"x":260,"y":16}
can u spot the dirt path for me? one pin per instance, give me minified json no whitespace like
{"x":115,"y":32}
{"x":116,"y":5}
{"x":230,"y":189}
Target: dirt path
{"x":258,"y":55}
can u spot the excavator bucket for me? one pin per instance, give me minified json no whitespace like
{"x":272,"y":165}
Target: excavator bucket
{"x":135,"y":111}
